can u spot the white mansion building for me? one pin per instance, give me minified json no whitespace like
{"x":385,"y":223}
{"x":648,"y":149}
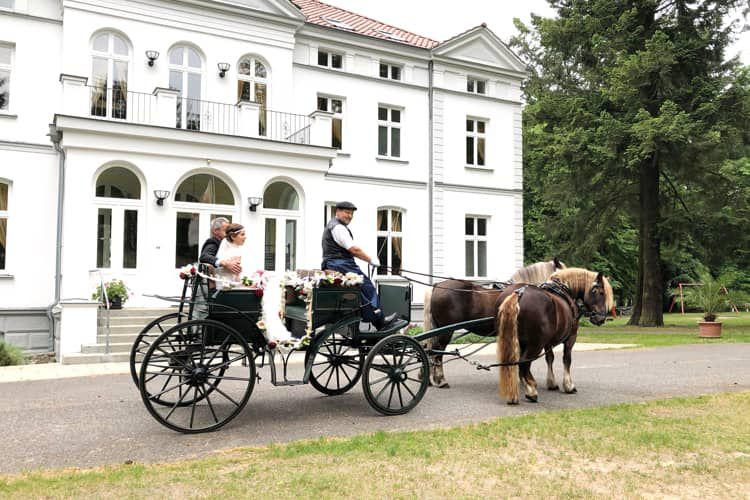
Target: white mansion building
{"x":127,"y":125}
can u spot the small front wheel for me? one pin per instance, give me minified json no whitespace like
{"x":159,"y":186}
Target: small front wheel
{"x":396,"y":375}
{"x":336,"y":363}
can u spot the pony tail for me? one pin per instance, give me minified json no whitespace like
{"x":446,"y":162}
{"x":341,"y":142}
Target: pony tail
{"x":508,"y":349}
{"x":428,"y":322}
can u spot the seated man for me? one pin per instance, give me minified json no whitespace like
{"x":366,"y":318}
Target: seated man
{"x":339,"y":251}
{"x":211,"y":247}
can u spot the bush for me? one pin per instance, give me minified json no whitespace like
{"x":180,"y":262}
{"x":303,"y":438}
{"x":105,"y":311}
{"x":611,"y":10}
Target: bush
{"x":10,"y":355}
{"x":116,"y":289}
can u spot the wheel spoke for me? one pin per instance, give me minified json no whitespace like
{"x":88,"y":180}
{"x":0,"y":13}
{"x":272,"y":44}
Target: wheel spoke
{"x":175,"y":406}
{"x":216,"y":388}
{"x":380,"y":368}
{"x":226,"y":364}
{"x":398,"y":389}
{"x":210,"y":406}
{"x":223,"y":377}
{"x":192,"y":411}
{"x":373,"y":382}
{"x":390,"y":397}
{"x":407,"y":388}
{"x":381,"y":391}
{"x":154,"y":396}
{"x":328,"y":367}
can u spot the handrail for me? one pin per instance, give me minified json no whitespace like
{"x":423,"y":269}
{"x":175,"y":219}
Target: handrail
{"x":104,"y":294}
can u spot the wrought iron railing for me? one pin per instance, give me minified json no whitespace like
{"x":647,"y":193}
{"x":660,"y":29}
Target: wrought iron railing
{"x":286,"y":127}
{"x":117,"y":103}
{"x":207,"y":116}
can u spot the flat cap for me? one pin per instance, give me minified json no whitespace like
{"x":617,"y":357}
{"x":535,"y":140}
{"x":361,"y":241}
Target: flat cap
{"x":345,"y":205}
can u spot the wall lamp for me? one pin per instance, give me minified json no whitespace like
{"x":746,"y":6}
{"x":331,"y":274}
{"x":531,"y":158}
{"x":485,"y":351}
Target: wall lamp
{"x":254,"y":201}
{"x":152,"y":55}
{"x":161,"y":195}
{"x":223,"y":68}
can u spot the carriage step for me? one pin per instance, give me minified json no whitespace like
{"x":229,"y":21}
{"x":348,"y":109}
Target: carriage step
{"x":82,"y":359}
{"x":288,"y":382}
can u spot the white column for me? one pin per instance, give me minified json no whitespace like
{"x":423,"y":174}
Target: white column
{"x":75,"y":94}
{"x":249,"y":113}
{"x":320,"y":128}
{"x":166,"y":107}
{"x":78,"y":324}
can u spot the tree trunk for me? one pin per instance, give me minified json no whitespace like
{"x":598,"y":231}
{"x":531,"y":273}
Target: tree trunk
{"x":635,"y":317}
{"x":650,"y":291}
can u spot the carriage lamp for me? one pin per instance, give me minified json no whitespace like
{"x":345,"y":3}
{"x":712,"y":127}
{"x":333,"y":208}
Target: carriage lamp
{"x":152,"y":55}
{"x":223,"y":68}
{"x":161,"y":195}
{"x":254,"y":201}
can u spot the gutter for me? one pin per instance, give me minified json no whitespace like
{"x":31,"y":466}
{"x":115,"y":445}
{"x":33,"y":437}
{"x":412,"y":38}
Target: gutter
{"x":55,"y":136}
{"x":431,"y":176}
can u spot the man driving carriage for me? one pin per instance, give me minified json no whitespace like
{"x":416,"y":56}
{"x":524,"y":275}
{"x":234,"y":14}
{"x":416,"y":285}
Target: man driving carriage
{"x":339,"y":251}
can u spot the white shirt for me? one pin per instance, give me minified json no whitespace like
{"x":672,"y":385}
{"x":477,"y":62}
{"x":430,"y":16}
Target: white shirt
{"x":341,"y":236}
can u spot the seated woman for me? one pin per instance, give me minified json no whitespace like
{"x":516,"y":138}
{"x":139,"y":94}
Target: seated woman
{"x":230,"y":249}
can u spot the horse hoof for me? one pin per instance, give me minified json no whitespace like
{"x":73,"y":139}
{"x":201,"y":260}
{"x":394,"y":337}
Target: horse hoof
{"x":512,"y":402}
{"x":571,"y":391}
{"x":444,"y":385}
{"x":533,"y":399}
{"x":554,"y":388}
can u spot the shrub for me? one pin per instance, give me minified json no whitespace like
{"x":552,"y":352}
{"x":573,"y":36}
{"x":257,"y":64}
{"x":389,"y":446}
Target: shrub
{"x":10,"y":355}
{"x":115,"y":289}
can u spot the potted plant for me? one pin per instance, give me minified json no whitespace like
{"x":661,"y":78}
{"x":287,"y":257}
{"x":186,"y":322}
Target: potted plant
{"x":711,"y":296}
{"x":117,"y":293}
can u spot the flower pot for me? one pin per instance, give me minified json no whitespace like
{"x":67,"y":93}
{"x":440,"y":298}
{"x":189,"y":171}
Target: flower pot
{"x":115,"y":303}
{"x":709,"y":329}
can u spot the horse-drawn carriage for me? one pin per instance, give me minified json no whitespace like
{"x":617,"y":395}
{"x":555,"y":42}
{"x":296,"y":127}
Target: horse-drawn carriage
{"x":199,"y":373}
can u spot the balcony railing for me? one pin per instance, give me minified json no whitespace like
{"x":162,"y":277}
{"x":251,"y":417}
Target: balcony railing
{"x":119,"y":104}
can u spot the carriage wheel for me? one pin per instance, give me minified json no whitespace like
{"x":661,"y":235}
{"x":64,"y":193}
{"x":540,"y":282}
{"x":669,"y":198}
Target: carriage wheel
{"x":205,"y":367}
{"x":336,"y":364}
{"x":146,"y":336}
{"x":396,"y":375}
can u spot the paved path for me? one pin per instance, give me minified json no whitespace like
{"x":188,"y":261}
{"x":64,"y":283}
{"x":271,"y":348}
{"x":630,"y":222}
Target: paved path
{"x":95,"y":420}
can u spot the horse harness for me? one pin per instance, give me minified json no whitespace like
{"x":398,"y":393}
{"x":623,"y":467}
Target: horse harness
{"x":556,"y":287}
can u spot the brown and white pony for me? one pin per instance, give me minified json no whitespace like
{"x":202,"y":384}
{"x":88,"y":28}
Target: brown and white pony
{"x":534,"y":319}
{"x":454,"y":301}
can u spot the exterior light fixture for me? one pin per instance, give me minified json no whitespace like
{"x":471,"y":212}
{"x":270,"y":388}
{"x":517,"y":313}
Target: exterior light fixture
{"x":161,"y":195}
{"x":254,"y":201}
{"x":152,"y":55}
{"x":223,"y":68}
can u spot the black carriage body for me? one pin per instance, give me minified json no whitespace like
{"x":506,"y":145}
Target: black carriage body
{"x":240,"y":309}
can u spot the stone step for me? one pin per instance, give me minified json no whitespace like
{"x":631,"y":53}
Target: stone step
{"x":153,"y":312}
{"x":114,"y":347}
{"x":129,"y":320}
{"x":133,"y":329}
{"x":80,"y":359}
{"x":117,"y":339}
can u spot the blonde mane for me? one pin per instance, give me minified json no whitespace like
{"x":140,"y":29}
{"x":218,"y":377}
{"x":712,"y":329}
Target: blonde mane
{"x":578,"y":280}
{"x":534,"y":274}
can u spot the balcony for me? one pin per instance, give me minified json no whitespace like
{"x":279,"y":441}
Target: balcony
{"x":167,"y":108}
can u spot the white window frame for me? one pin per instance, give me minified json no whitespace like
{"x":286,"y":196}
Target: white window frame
{"x":389,"y":234}
{"x":5,"y":215}
{"x":335,"y":115}
{"x":111,"y":57}
{"x":186,"y":70}
{"x":254,"y":81}
{"x":475,"y":239}
{"x":475,"y":136}
{"x":329,"y":59}
{"x":11,"y":7}
{"x":389,"y":69}
{"x":329,"y":211}
{"x":473,"y":84}
{"x":389,"y":124}
{"x":9,"y":68}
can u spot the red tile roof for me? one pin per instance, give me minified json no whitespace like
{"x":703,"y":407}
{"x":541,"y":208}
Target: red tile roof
{"x":329,"y":16}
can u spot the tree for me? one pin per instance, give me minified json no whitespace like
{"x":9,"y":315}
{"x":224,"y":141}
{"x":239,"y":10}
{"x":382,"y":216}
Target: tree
{"x":631,"y":111}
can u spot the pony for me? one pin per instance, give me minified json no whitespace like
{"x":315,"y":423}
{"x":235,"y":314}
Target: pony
{"x":530,"y":319}
{"x":454,"y":301}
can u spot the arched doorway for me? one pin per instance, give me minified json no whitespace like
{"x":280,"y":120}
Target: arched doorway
{"x":281,"y":214}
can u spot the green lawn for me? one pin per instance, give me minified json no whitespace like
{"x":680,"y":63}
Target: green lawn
{"x":684,"y":447}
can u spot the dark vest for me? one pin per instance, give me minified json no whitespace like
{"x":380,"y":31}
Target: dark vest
{"x":331,"y":249}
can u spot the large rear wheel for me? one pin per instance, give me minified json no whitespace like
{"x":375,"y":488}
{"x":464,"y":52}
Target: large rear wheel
{"x":146,"y":336}
{"x":205,"y":368}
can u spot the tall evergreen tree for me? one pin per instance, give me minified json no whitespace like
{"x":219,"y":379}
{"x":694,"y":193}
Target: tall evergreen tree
{"x":631,"y":108}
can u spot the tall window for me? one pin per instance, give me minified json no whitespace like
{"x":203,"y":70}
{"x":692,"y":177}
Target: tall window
{"x":6,"y":54}
{"x":390,"y":71}
{"x":199,"y":199}
{"x":252,"y":85}
{"x":118,"y":194}
{"x":281,"y":217}
{"x":390,"y":240}
{"x":476,"y":247}
{"x":185,"y":76}
{"x":476,"y":86}
{"x":8,"y":4}
{"x":4,"y":188}
{"x":475,"y":141}
{"x":389,"y":131}
{"x":329,"y":211}
{"x":335,"y":106}
{"x":110,"y":57}
{"x":330,"y":59}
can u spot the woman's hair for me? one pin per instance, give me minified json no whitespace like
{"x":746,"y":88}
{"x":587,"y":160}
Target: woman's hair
{"x":232,"y":231}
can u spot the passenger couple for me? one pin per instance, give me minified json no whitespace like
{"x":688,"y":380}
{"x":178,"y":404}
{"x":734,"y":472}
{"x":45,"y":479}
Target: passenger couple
{"x":224,"y":250}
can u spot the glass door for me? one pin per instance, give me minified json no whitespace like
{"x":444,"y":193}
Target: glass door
{"x":280,"y":247}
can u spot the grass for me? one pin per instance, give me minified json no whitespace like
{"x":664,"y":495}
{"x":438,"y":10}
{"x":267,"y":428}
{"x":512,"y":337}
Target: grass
{"x":684,"y":447}
{"x":678,"y":329}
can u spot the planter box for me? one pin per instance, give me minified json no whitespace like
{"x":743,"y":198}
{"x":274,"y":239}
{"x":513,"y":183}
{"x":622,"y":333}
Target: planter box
{"x":709,"y":329}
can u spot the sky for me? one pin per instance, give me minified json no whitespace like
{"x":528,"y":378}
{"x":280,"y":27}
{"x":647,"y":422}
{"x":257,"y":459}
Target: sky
{"x":443,"y":19}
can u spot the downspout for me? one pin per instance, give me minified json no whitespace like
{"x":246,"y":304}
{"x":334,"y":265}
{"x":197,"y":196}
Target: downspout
{"x":430,"y":177}
{"x":55,"y":136}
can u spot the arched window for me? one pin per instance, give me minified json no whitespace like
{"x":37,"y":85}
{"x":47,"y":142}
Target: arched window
{"x":118,"y":182}
{"x":390,"y":240}
{"x":252,"y":85}
{"x":281,"y":205}
{"x":204,"y":188}
{"x":186,"y":76}
{"x":4,"y":195}
{"x":110,"y":56}
{"x":117,"y":221}
{"x":281,"y":195}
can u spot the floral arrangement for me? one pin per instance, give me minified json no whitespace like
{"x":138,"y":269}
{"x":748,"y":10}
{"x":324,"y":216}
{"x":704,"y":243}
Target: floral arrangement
{"x":258,"y":280}
{"x":116,"y":291}
{"x":187,"y":271}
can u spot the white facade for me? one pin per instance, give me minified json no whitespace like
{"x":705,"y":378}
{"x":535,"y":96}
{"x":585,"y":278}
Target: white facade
{"x":58,"y":48}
